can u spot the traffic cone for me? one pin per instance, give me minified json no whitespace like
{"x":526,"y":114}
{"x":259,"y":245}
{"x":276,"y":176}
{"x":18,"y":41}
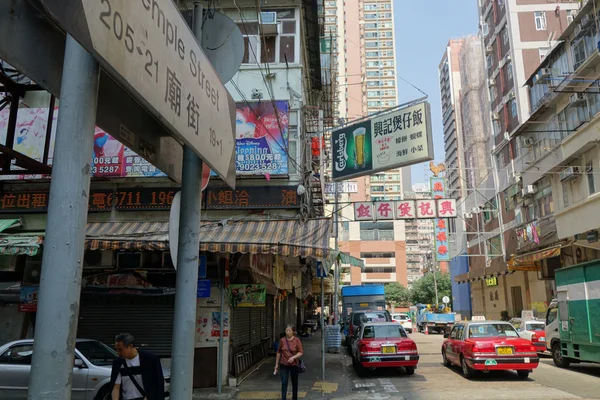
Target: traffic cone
{"x":426,"y":330}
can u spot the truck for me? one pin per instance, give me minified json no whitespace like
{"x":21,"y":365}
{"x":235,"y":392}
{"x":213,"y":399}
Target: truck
{"x":432,"y":318}
{"x":573,"y":318}
{"x":361,"y":298}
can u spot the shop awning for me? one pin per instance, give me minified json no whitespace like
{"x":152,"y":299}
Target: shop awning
{"x":281,"y":237}
{"x":21,"y":244}
{"x":530,"y":261}
{"x":127,"y":236}
{"x":9,"y":223}
{"x":344,"y":258}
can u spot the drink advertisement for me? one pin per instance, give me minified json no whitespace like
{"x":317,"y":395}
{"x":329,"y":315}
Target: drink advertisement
{"x":248,"y":295}
{"x":262,"y":138}
{"x":110,"y":158}
{"x":396,"y":139}
{"x":28,"y":299}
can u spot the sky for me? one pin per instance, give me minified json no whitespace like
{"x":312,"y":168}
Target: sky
{"x":422,"y":30}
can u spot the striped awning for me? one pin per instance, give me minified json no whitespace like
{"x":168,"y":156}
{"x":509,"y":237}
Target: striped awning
{"x":281,"y":237}
{"x":531,"y":261}
{"x":9,"y":223}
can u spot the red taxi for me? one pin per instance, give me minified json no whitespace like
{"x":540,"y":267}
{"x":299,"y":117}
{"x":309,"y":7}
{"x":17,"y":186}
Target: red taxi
{"x":488,"y":346}
{"x":382,"y":345}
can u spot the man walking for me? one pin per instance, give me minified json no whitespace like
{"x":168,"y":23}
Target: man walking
{"x":136,"y":374}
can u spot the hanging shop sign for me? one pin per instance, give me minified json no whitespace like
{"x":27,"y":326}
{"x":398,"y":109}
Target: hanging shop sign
{"x":248,"y":295}
{"x":404,"y":209}
{"x":492,"y":281}
{"x":32,"y":202}
{"x":445,"y":208}
{"x":252,"y":197}
{"x":342,"y":187}
{"x":397,"y":139}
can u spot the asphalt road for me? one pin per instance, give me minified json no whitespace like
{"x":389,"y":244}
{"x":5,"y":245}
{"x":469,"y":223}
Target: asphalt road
{"x":433,"y":381}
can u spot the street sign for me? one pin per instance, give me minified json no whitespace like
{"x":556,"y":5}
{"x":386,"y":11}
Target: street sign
{"x":149,"y":49}
{"x":445,"y":299}
{"x":203,"y":288}
{"x":321,"y":273}
{"x":202,"y":267}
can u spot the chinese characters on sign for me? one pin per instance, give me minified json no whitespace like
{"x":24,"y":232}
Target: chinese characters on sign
{"x":11,"y":202}
{"x":252,"y":197}
{"x":446,"y":208}
{"x":396,"y":139}
{"x":404,"y":209}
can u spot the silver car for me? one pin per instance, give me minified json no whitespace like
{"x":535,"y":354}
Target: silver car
{"x":91,"y":372}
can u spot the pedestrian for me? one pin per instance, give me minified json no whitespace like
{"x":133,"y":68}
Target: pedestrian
{"x":136,"y":374}
{"x":289,"y":352}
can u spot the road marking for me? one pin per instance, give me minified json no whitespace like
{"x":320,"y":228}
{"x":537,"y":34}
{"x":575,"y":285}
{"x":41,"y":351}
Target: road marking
{"x":274,"y":395}
{"x":325,"y":387}
{"x":388,"y":386}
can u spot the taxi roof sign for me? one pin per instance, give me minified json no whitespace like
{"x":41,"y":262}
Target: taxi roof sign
{"x":478,"y":318}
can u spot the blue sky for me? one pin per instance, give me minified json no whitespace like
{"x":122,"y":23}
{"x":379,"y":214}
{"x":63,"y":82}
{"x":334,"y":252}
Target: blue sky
{"x":423,"y":28}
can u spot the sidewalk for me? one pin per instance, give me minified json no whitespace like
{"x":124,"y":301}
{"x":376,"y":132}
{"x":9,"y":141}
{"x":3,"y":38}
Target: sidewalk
{"x":262,"y":384}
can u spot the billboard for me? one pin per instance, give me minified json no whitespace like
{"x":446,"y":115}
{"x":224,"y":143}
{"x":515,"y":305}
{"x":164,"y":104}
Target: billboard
{"x":110,"y":158}
{"x":342,"y":187}
{"x":397,"y":139}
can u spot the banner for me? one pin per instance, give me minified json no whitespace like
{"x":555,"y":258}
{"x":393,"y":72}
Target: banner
{"x":110,"y":158}
{"x":440,"y":228}
{"x":208,"y":325}
{"x":248,"y":295}
{"x":28,"y":298}
{"x":262,"y":138}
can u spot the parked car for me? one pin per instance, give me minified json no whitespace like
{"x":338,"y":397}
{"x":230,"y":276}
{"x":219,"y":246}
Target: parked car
{"x":404,"y":320}
{"x":91,"y":370}
{"x":359,"y":317}
{"x":384,"y":345}
{"x":488,"y":346}
{"x":531,"y":329}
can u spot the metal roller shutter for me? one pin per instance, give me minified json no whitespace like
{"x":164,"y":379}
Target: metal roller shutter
{"x":148,"y":319}
{"x":270,"y":309}
{"x":255,"y":326}
{"x":241,"y":323}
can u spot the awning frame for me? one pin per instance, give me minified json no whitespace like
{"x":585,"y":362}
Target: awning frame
{"x":531,"y":261}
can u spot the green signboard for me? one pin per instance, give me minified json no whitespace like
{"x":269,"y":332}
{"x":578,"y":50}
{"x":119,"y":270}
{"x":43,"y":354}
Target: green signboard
{"x":248,"y":295}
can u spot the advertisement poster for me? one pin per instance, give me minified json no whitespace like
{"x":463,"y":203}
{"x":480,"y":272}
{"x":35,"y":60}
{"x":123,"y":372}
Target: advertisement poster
{"x":248,"y":295}
{"x":397,"y":139}
{"x":110,"y":158}
{"x":262,"y":263}
{"x":261,"y":145}
{"x":28,"y":299}
{"x":208,"y":326}
{"x":440,"y":227}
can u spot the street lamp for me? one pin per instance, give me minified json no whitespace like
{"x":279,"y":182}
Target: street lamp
{"x":431,"y":265}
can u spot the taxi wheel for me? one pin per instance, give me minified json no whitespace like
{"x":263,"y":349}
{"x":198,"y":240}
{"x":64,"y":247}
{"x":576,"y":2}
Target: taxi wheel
{"x":523,"y":374}
{"x":445,"y":359}
{"x":467,"y":371}
{"x":410,"y":370}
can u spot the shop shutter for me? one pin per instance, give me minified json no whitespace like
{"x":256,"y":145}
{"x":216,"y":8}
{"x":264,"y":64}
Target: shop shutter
{"x":255,"y":326}
{"x":148,"y":319}
{"x":270,"y":309}
{"x":241,"y":331}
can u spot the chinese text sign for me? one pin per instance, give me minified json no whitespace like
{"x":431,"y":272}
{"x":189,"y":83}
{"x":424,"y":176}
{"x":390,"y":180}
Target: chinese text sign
{"x":446,"y":208}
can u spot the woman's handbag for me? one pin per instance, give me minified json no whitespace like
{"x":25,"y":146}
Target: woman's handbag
{"x":301,"y":366}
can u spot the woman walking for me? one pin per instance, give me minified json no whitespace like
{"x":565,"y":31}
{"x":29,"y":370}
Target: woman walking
{"x":289,"y":352}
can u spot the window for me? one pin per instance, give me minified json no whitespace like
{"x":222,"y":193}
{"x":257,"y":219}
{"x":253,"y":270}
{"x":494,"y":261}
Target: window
{"x":370,"y":16}
{"x":589,"y":170}
{"x":371,"y":25}
{"x":19,"y":354}
{"x":371,"y":44}
{"x":371,"y":34}
{"x":373,"y":93}
{"x":488,"y":61}
{"x":571,"y":15}
{"x":383,"y":331}
{"x":372,"y":64}
{"x":485,"y":29}
{"x":378,"y":255}
{"x":540,"y":20}
{"x":505,"y":36}
{"x":565,"y":193}
{"x":377,"y":231}
{"x":509,"y":71}
{"x":551,"y":315}
{"x":270,"y":48}
{"x":542,"y":51}
{"x":492,"y":94}
{"x":372,"y":73}
{"x":513,"y":108}
{"x":501,"y":4}
{"x":494,"y":246}
{"x":492,"y":330}
{"x":370,"y":7}
{"x":372,"y":83}
{"x":97,"y":353}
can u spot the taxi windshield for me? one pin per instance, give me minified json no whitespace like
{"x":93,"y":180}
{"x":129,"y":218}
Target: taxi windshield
{"x":535,"y":326}
{"x":383,"y":332}
{"x":492,"y":330}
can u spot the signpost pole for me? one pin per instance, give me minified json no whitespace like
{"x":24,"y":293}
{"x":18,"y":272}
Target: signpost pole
{"x":184,"y":320}
{"x":60,"y":284}
{"x":222,"y":318}
{"x":322,"y":327}
{"x":336,"y":272}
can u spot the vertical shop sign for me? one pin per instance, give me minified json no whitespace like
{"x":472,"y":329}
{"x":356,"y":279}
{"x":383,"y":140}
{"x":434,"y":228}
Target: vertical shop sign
{"x":440,"y":225}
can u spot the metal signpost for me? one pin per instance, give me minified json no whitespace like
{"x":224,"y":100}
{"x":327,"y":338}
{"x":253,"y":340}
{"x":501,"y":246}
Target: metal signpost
{"x":322,"y":273}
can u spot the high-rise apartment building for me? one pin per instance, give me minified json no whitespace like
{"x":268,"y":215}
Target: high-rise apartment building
{"x":366,"y":80}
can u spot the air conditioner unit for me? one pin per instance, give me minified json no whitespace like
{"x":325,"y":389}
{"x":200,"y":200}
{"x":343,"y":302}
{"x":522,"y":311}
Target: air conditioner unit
{"x":586,"y":21}
{"x":467,"y":215}
{"x":268,"y":22}
{"x":528,"y":190}
{"x":495,"y":116}
{"x":494,"y":148}
{"x":511,"y":95}
{"x":488,"y":49}
{"x":492,"y":82}
{"x":576,"y":98}
{"x":569,"y":173}
{"x":545,"y":72}
{"x":506,"y":136}
{"x":527,"y":142}
{"x":577,"y":31}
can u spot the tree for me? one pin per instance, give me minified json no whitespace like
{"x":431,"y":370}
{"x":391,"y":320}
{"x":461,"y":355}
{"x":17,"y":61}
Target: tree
{"x":396,"y":294}
{"x":423,"y":290}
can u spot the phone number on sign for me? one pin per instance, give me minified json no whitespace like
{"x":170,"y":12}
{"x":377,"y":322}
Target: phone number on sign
{"x":258,"y":167}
